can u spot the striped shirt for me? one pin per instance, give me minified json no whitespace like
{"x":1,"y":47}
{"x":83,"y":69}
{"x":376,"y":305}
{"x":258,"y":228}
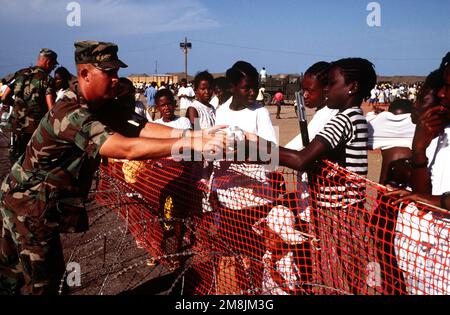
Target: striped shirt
{"x":346,"y":136}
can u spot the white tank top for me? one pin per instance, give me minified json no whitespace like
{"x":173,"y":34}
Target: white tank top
{"x":206,"y":115}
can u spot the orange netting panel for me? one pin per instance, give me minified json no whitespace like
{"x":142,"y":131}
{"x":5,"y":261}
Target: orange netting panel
{"x":232,"y":228}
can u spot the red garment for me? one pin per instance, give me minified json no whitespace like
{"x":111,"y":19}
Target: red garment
{"x":278,"y":97}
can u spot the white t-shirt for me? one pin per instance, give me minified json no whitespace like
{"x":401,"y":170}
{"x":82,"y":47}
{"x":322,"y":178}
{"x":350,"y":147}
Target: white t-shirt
{"x":381,"y":96}
{"x":214,"y":102}
{"x":184,"y":101}
{"x":255,"y":119}
{"x":177,"y":123}
{"x":263,"y":73}
{"x":319,"y":120}
{"x":242,"y":185}
{"x":373,"y":93}
{"x":438,"y":153}
{"x":387,"y":130}
{"x":206,"y":114}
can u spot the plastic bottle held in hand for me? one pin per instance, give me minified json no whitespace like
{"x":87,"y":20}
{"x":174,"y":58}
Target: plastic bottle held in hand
{"x":234,"y":135}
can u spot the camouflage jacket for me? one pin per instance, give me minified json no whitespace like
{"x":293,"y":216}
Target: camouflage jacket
{"x":30,"y":87}
{"x":61,"y":158}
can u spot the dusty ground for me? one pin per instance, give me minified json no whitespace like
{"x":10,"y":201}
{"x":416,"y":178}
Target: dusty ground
{"x":109,"y":259}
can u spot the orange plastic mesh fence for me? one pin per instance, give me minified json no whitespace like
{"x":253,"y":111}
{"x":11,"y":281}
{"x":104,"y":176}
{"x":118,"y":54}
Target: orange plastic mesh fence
{"x":246,"y":229}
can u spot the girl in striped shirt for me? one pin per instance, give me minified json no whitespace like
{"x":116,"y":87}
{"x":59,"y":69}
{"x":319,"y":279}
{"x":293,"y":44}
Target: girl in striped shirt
{"x":338,"y":205}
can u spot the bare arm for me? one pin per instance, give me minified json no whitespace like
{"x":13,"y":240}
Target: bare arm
{"x":156,"y":131}
{"x":408,"y":196}
{"x":301,"y":160}
{"x":50,"y":101}
{"x":121,"y":147}
{"x":192,"y":114}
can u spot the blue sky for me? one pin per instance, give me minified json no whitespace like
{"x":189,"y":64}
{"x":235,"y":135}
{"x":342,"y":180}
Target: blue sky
{"x":285,"y":36}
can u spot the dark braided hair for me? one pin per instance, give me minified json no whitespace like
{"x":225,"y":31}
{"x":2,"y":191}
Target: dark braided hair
{"x":358,"y":70}
{"x":64,"y":73}
{"x":222,"y":83}
{"x":240,"y":70}
{"x":203,"y":76}
{"x":65,"y":76}
{"x":165,"y":92}
{"x":400,"y":105}
{"x":320,"y":70}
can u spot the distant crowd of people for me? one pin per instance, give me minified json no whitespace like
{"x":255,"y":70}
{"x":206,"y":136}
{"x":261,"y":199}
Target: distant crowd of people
{"x":384,"y":93}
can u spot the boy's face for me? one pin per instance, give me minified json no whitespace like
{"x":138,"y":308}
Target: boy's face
{"x":313,"y":91}
{"x":166,"y":107}
{"x":337,"y":90}
{"x":204,"y":92}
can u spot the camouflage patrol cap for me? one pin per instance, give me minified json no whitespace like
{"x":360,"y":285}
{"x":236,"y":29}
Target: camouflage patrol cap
{"x":102,"y":55}
{"x":50,"y":54}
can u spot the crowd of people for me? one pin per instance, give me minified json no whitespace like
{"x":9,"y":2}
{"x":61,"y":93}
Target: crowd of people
{"x":385,"y":93}
{"x":63,"y":125}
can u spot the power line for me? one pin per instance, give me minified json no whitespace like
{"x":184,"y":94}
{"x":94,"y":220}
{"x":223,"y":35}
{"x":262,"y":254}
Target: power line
{"x":149,"y":48}
{"x":307,"y":53}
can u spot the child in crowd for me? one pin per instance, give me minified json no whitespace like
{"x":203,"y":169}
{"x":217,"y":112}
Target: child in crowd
{"x":243,"y":112}
{"x":241,"y":190}
{"x":314,"y":83}
{"x":62,"y":79}
{"x":201,"y":113}
{"x":343,"y":140}
{"x":166,"y":105}
{"x":222,"y":92}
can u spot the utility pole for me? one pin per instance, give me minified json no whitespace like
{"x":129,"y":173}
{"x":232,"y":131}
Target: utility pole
{"x":185,"y":46}
{"x":156,"y":67}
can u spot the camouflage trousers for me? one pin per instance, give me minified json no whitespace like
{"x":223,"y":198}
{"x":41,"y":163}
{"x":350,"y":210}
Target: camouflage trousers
{"x":31,"y":257}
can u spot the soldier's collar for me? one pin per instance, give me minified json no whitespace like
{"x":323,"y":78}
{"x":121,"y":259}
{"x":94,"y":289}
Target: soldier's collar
{"x":74,"y":88}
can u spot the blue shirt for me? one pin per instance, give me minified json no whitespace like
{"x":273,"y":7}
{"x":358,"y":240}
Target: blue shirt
{"x":150,"y":95}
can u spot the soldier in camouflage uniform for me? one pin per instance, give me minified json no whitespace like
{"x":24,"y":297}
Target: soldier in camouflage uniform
{"x":33,"y":89}
{"x":44,"y":193}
